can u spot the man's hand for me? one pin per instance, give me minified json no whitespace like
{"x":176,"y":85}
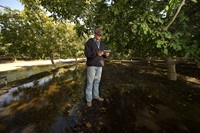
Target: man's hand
{"x":107,"y":54}
{"x":100,"y":53}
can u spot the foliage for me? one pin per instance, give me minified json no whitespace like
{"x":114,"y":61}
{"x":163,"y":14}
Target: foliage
{"x":138,"y":28}
{"x":193,"y":27}
{"x":131,"y":28}
{"x":31,"y":33}
{"x":12,"y":27}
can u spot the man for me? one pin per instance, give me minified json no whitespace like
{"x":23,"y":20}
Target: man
{"x":94,"y":51}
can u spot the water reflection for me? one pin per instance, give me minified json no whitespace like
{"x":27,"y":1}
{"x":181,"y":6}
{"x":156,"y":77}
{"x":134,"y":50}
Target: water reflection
{"x":7,"y":98}
{"x":47,"y":105}
{"x":25,"y":72}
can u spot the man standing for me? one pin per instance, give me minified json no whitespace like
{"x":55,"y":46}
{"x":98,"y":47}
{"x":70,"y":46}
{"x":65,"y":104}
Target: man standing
{"x":94,"y":51}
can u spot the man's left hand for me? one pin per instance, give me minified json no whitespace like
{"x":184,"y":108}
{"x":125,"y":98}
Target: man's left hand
{"x":107,"y":54}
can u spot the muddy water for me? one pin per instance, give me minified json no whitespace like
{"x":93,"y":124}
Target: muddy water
{"x":8,"y":96}
{"x":48,"y":105}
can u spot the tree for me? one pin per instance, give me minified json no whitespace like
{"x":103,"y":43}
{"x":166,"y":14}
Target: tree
{"x":155,"y":28}
{"x":51,"y":38}
{"x":133,"y":28}
{"x":137,"y":28}
{"x":32,"y":33}
{"x":193,"y":46}
{"x":12,"y":27}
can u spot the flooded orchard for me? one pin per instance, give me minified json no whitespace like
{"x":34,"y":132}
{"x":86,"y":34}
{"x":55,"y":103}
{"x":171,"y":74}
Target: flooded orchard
{"x":138,"y":98}
{"x":49,"y":104}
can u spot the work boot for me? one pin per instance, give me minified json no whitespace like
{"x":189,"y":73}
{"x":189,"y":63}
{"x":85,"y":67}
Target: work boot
{"x":89,"y":104}
{"x":100,"y":99}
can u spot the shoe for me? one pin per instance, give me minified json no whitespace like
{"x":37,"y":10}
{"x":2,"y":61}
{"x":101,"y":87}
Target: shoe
{"x":89,"y":104}
{"x":100,"y":99}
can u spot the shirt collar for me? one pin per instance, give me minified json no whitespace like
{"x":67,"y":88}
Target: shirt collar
{"x":96,"y":40}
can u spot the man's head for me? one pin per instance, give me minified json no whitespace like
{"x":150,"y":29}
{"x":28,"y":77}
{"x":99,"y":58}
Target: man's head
{"x":98,"y":33}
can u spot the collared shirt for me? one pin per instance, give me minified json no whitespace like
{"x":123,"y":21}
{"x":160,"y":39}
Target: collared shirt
{"x":97,"y":42}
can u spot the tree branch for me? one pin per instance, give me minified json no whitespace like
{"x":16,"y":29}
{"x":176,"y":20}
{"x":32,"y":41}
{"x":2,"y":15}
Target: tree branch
{"x":177,"y":12}
{"x":6,"y":8}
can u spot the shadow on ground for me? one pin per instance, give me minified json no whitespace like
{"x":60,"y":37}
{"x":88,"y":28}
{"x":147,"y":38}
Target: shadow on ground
{"x":138,"y":99}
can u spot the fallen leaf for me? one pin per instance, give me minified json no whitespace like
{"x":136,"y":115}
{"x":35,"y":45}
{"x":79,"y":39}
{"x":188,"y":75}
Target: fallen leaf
{"x":88,"y":125}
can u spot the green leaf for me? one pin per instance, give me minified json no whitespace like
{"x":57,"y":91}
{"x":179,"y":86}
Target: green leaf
{"x":98,"y":0}
{"x":168,"y":35}
{"x":116,"y":11}
{"x":135,"y":26}
{"x":145,"y":32}
{"x":159,"y":43}
{"x":195,"y":1}
{"x":167,"y":8}
{"x":166,"y":51}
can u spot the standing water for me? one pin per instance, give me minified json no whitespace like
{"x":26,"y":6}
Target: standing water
{"x":49,"y":104}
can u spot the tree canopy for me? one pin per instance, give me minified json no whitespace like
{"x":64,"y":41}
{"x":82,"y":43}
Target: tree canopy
{"x":33,"y":34}
{"x":131,"y":28}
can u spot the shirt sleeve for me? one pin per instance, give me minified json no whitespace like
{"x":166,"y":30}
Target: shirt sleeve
{"x":89,"y":51}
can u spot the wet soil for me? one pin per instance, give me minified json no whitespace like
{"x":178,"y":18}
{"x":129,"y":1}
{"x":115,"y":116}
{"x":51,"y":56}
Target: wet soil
{"x":138,"y":99}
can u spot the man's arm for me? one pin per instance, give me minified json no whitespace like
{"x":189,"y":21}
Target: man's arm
{"x":89,"y":51}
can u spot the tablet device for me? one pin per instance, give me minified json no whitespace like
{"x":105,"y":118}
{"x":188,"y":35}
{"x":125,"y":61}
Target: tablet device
{"x":107,"y":51}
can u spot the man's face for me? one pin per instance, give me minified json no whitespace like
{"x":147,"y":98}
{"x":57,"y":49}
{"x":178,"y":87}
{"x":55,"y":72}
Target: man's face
{"x":98,"y":37}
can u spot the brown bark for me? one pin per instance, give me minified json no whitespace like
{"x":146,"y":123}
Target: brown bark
{"x":52,"y":61}
{"x":171,"y":73}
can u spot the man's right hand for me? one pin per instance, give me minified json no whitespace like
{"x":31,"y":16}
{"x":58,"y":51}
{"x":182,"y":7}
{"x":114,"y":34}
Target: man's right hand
{"x":100,"y":53}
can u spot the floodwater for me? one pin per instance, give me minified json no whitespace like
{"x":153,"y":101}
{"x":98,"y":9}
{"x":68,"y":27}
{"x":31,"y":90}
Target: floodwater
{"x":46,"y":105}
{"x":25,"y":72}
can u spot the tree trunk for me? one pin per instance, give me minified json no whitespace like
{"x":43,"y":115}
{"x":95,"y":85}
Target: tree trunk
{"x":198,"y":64}
{"x":52,"y":61}
{"x":14,"y":58}
{"x":171,"y":73}
{"x":148,"y":59}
